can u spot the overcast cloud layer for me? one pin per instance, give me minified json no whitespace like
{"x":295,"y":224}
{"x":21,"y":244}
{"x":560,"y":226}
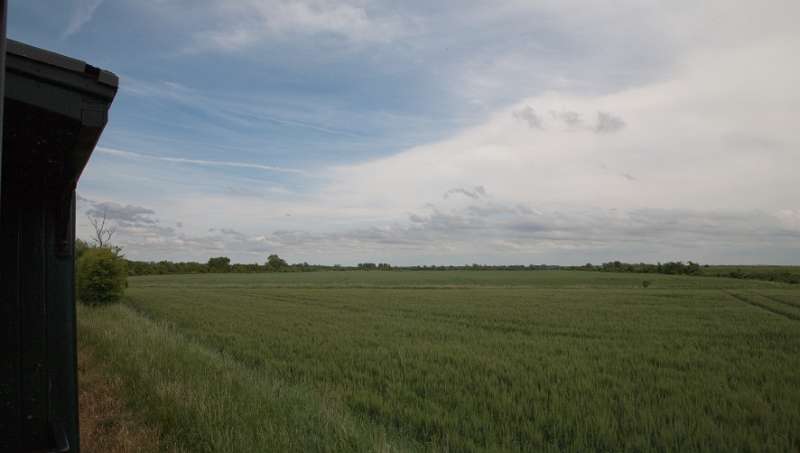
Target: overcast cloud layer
{"x":523,"y":132}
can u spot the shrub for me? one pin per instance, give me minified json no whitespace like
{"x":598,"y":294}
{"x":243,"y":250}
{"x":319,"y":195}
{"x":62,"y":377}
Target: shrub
{"x":645,"y":283}
{"x":80,"y":247}
{"x":102,"y":276}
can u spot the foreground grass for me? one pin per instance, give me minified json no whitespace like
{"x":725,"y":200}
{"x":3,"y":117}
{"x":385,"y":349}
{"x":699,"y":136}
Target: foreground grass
{"x":204,"y":401}
{"x":106,"y":425}
{"x":426,"y":361}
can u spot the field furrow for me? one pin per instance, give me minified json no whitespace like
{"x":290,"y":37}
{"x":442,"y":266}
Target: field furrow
{"x":769,"y":304}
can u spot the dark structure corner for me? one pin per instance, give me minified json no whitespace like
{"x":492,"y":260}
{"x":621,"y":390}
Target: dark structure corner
{"x":53,"y":112}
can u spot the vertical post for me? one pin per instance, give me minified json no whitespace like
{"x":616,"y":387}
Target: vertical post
{"x":3,"y":13}
{"x":8,"y":386}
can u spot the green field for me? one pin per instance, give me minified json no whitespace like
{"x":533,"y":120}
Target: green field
{"x":456,"y":361}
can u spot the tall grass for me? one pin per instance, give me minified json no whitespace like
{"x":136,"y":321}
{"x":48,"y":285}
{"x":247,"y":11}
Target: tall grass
{"x":203,"y":400}
{"x":106,"y":425}
{"x":563,"y":364}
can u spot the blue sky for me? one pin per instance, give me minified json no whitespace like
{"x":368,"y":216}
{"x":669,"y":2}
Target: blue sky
{"x":440,"y":132}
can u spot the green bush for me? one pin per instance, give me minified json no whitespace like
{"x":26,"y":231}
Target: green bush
{"x":102,"y":276}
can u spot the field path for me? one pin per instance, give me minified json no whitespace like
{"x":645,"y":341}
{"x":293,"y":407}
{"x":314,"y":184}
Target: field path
{"x":781,"y":301}
{"x":778,"y":311}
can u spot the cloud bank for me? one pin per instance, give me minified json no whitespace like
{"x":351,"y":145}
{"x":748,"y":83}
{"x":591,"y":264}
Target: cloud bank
{"x":697,"y":163}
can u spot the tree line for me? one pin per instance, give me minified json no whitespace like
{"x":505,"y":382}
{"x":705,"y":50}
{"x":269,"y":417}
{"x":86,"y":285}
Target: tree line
{"x":669,"y":268}
{"x":772,"y":275}
{"x":768,"y":273}
{"x":274,"y":263}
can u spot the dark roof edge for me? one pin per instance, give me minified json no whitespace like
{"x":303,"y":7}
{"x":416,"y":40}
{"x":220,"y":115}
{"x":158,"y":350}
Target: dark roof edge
{"x":53,"y":59}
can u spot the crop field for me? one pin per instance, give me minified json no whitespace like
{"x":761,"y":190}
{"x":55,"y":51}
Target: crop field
{"x":459,"y":361}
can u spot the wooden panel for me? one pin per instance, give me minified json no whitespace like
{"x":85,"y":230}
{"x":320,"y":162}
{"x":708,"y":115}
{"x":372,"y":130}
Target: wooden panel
{"x":62,"y":353}
{"x":34,"y":322}
{"x":10,"y":358}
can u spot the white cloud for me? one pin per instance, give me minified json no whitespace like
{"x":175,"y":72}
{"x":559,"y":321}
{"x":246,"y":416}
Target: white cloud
{"x":701,"y":159}
{"x":674,"y":141}
{"x":82,"y":13}
{"x":246,"y":22}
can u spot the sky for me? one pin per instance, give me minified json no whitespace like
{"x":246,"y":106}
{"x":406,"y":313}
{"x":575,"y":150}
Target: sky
{"x":447,"y":132}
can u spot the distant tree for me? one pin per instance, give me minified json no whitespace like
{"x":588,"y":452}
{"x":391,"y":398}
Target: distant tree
{"x":219,"y":264}
{"x":103,"y":232}
{"x":645,"y":283}
{"x":275,"y":263}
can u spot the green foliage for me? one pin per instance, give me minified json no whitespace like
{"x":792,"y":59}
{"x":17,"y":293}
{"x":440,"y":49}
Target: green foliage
{"x":219,"y":264}
{"x":785,"y":274}
{"x":669,"y":268}
{"x":80,"y":247}
{"x":216,"y":265}
{"x":458,"y":361}
{"x":101,"y":276}
{"x":374,"y":266}
{"x":276,"y":264}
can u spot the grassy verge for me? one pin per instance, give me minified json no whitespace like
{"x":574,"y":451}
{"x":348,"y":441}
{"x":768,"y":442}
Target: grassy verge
{"x":106,"y":425}
{"x":205,"y":401}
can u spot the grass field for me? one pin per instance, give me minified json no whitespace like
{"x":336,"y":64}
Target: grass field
{"x":456,"y":361}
